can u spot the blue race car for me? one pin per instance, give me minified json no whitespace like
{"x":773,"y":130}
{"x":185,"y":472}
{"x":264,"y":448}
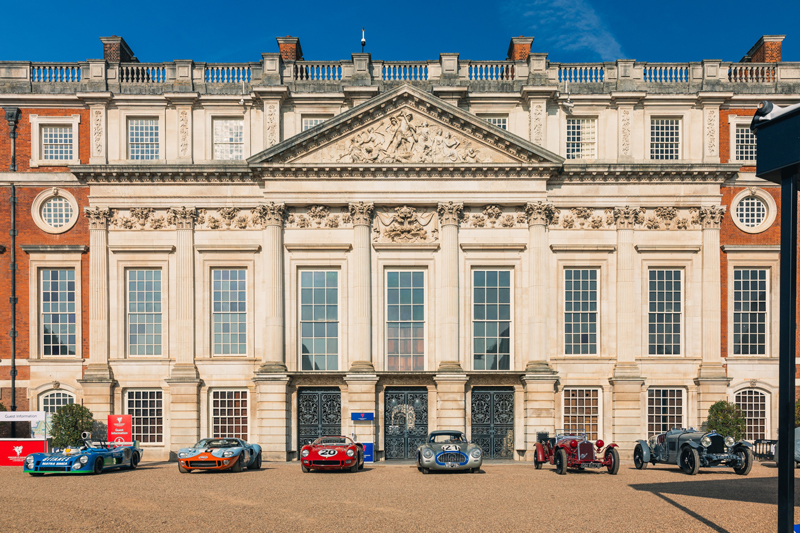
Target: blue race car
{"x":88,"y":458}
{"x":220,"y":454}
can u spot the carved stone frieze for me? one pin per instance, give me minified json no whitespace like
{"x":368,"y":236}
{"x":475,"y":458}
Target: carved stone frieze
{"x":709,"y":217}
{"x":316,"y":217}
{"x":98,"y":217}
{"x":271,"y":121}
{"x":626,"y":133}
{"x":98,"y":132}
{"x":542,"y":213}
{"x":183,"y":133}
{"x":627,"y":217}
{"x":271,"y":214}
{"x":361,"y":213}
{"x":180,"y":217}
{"x":494,"y":216}
{"x":711,"y":132}
{"x":405,"y":225}
{"x":450,"y":213}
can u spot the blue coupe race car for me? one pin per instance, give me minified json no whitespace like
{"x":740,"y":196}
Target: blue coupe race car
{"x":227,"y":453}
{"x":88,"y":458}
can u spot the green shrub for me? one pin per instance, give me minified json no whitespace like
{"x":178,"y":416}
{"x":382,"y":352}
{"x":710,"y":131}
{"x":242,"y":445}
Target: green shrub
{"x":727,"y":419}
{"x":68,"y":424}
{"x":797,"y":413}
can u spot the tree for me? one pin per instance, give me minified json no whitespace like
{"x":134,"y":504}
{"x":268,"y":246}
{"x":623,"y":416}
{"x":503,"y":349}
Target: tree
{"x":727,"y":419}
{"x":68,"y":423}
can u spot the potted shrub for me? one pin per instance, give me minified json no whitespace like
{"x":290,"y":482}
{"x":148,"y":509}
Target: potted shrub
{"x":727,"y":419}
{"x":68,"y":423}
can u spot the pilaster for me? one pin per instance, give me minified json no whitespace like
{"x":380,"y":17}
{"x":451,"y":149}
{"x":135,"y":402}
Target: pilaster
{"x":274,"y":357}
{"x":448,"y":347}
{"x":626,"y":218}
{"x":451,"y":401}
{"x":710,"y":103}
{"x":361,"y":352}
{"x":98,"y":122}
{"x":183,"y":103}
{"x":540,"y":407}
{"x":537,"y":97}
{"x":272,"y":97}
{"x":627,"y":410}
{"x":184,"y":219}
{"x":273,"y":413}
{"x":362,"y":398}
{"x":98,"y":368}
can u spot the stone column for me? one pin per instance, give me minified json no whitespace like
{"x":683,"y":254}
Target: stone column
{"x":712,"y":381}
{"x":97,"y":382}
{"x":361,"y":352}
{"x":626,"y":381}
{"x":449,"y":215}
{"x":274,"y":358}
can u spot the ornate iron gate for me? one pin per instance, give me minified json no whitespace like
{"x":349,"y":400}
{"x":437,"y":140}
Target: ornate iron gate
{"x":405,"y":422}
{"x":493,"y":421}
{"x":319,"y":413}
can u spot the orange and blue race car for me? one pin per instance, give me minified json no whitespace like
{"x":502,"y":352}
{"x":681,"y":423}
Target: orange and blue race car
{"x":332,"y":453}
{"x":220,"y":454}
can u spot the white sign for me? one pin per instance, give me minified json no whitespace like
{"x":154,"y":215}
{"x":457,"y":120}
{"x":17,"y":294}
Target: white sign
{"x":22,"y":416}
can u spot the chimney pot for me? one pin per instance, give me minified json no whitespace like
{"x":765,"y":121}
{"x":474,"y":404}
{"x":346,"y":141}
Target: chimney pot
{"x":520,"y":48}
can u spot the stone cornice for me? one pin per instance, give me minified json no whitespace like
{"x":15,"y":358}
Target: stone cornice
{"x":647,"y":173}
{"x":164,"y":173}
{"x":54,"y":248}
{"x":398,"y":171}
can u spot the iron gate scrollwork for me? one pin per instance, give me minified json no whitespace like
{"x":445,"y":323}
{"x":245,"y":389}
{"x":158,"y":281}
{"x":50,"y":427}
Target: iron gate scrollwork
{"x":319,"y":413}
{"x":405,"y":422}
{"x":493,"y":422}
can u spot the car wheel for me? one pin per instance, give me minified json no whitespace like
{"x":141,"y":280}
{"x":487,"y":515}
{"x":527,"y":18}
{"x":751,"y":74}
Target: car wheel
{"x":182,"y":470}
{"x":746,"y":455}
{"x":354,"y":468}
{"x":561,"y":462}
{"x":98,"y":465}
{"x":305,"y":470}
{"x":638,"y":457}
{"x":426,"y":470}
{"x":361,"y":462}
{"x":689,"y":461}
{"x":613,"y":468}
{"x":475,"y":470}
{"x":237,"y":466}
{"x":256,"y":464}
{"x":537,"y":464}
{"x":134,"y":461}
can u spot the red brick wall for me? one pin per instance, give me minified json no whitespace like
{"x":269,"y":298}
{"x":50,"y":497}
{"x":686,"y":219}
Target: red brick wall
{"x":727,"y":148}
{"x":29,"y":233}
{"x":769,"y":52}
{"x":23,"y":145}
{"x":519,"y":52}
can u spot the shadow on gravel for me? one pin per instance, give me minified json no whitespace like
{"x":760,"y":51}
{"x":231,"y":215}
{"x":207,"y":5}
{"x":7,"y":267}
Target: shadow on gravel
{"x":694,"y":515}
{"x":737,"y":488}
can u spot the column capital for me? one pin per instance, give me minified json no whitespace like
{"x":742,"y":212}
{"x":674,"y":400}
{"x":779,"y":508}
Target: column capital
{"x":362,"y":213}
{"x":270,"y":214}
{"x":627,"y":217}
{"x":710,"y":217}
{"x":98,"y":217}
{"x":541,"y":213}
{"x":182,"y":217}
{"x":450,"y":213}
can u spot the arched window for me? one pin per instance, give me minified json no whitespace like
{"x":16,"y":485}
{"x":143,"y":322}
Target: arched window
{"x":754,"y":406}
{"x":52,"y":401}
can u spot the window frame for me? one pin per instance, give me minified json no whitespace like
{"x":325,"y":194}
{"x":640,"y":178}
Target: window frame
{"x":684,"y":406}
{"x":42,"y":396}
{"x":770,"y":204}
{"x":735,"y":121}
{"x":313,"y":116}
{"x":756,"y":259}
{"x":37,"y":122}
{"x":595,"y":143}
{"x":471,"y":312}
{"x":683,"y":119}
{"x":600,"y":400}
{"x":164,"y":420}
{"x":210,"y":399}
{"x":682,"y":322}
{"x":582,"y":260}
{"x":122,"y":148}
{"x":158,"y":141}
{"x":127,"y":312}
{"x":767,"y":314}
{"x":298,"y":314}
{"x":426,"y":310}
{"x":767,"y":407}
{"x":495,"y":116}
{"x":38,"y":204}
{"x":225,"y":114}
{"x":38,"y":262}
{"x":563,"y":302}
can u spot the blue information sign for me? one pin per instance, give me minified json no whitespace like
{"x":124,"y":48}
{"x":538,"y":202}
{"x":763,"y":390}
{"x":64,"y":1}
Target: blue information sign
{"x":362,"y":416}
{"x":367,"y":452}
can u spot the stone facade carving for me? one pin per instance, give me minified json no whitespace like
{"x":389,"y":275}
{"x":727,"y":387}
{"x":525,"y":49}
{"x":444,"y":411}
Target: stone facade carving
{"x":98,"y":217}
{"x":625,"y":145}
{"x":541,"y":213}
{"x":271,"y":121}
{"x":404,"y":225}
{"x":450,"y":212}
{"x":361,"y":213}
{"x":318,"y":213}
{"x":711,"y":132}
{"x":183,"y":133}
{"x":709,"y":217}
{"x":98,"y":132}
{"x":492,"y":213}
{"x":627,"y":217}
{"x":182,"y":217}
{"x":271,"y":214}
{"x":141,"y":215}
{"x":537,"y":133}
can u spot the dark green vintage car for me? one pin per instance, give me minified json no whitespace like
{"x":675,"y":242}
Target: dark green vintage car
{"x":449,"y":450}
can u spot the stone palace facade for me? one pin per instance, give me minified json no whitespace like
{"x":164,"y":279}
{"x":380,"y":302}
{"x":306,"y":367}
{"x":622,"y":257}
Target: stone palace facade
{"x":502,"y":247}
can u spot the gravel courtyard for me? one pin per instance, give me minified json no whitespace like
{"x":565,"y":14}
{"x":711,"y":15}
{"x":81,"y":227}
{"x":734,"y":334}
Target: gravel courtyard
{"x":503,"y":497}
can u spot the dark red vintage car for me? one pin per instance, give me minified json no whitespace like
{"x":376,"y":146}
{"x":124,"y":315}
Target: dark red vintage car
{"x":332,"y":453}
{"x":572,"y":450}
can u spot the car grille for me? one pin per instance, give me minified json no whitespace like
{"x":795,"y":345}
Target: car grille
{"x":717,"y":444}
{"x":586,"y":451}
{"x":326,"y":462}
{"x":54,"y":469}
{"x":202,"y":464}
{"x":452,"y":457}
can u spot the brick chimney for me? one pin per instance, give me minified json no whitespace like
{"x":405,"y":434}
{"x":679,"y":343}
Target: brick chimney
{"x":116,"y":50}
{"x":520,"y":48}
{"x":290,"y":48}
{"x":766,"y":50}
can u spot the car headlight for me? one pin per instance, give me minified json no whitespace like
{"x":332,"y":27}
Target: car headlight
{"x":29,"y":461}
{"x":706,"y":441}
{"x":183,"y":454}
{"x":228,"y":454}
{"x":305,"y":453}
{"x":76,"y":465}
{"x":476,"y":453}
{"x":83,"y":459}
{"x":427,"y":453}
{"x":729,"y":441}
{"x":350,"y":453}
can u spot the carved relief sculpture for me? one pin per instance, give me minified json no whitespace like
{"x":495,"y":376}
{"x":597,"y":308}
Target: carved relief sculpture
{"x":183,"y":217}
{"x":626,"y":132}
{"x":271,"y":121}
{"x":627,"y":217}
{"x":541,"y":213}
{"x":98,"y":217}
{"x":271,"y":214}
{"x":183,"y":132}
{"x":318,"y":213}
{"x":450,"y":212}
{"x":98,"y":132}
{"x":711,"y":132}
{"x":538,"y":128}
{"x":709,"y":217}
{"x":405,"y":225}
{"x":361,"y":213}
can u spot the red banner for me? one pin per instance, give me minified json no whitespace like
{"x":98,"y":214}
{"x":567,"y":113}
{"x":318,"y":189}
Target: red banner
{"x":14,"y":451}
{"x":119,"y":429}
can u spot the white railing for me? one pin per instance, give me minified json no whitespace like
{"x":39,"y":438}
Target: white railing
{"x":67,"y":73}
{"x":490,"y":70}
{"x":751,"y":73}
{"x":227,"y":73}
{"x":404,"y":71}
{"x":581,"y":73}
{"x":317,"y":71}
{"x":667,"y":73}
{"x":142,"y":73}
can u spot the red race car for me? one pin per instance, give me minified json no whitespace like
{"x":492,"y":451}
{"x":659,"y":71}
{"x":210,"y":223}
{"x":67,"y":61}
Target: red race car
{"x":332,"y":453}
{"x":571,"y":449}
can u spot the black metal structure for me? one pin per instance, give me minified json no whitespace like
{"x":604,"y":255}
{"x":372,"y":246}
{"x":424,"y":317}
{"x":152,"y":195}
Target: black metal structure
{"x":778,"y":160}
{"x":319,"y":414}
{"x":764,"y":449}
{"x":13,"y":115}
{"x":493,"y":421}
{"x":405,"y":422}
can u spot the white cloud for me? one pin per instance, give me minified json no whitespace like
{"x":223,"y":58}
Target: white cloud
{"x":570,"y":25}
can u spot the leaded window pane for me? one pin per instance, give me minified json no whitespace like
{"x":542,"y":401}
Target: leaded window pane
{"x":751,"y":211}
{"x":229,"y":313}
{"x":754,"y":407}
{"x":55,"y":400}
{"x":665,"y":138}
{"x":581,"y":138}
{"x":143,"y":138}
{"x":500,"y":122}
{"x":57,"y":143}
{"x":745,"y":144}
{"x":319,"y":319}
{"x":57,"y":211}
{"x":491,"y":319}
{"x":664,"y":410}
{"x":146,"y":408}
{"x":229,"y":139}
{"x":144,"y":312}
{"x":749,"y":311}
{"x":310,"y":122}
{"x":582,"y":412}
{"x":580,"y":311}
{"x":665,"y":308}
{"x":405,"y":320}
{"x":57,"y":291}
{"x":229,"y":415}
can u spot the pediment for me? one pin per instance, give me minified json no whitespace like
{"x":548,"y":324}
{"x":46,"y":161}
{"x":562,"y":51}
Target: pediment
{"x":405,"y":126}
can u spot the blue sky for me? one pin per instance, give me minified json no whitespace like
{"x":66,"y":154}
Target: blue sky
{"x":569,"y":30}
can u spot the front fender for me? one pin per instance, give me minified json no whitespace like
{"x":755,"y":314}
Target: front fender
{"x":743,"y":444}
{"x":539,"y":453}
{"x":691,"y":444}
{"x":645,"y":450}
